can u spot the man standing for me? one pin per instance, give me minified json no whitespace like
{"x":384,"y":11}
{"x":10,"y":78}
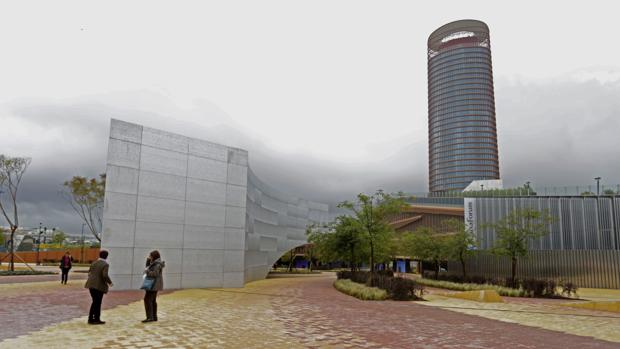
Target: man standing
{"x":65,"y":265}
{"x":98,"y":283}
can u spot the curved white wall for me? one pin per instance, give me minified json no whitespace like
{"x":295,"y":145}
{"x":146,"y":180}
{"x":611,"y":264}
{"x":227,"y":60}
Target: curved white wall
{"x":276,"y":223}
{"x":215,"y":223}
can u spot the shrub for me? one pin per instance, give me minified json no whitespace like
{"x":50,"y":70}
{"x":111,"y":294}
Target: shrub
{"x":386,"y":272}
{"x":539,"y":287}
{"x":360,"y":291}
{"x":568,"y":288}
{"x":521,"y":288}
{"x":381,"y":281}
{"x":343,"y":274}
{"x":477,"y":279}
{"x":397,"y":288}
{"x":355,"y":276}
{"x":502,"y":291}
{"x":402,"y":289}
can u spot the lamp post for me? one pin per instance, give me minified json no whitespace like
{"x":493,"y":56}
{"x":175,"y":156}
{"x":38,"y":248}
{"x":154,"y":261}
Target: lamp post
{"x":527,"y":185}
{"x":39,"y":244}
{"x":82,"y":252}
{"x":598,"y":181}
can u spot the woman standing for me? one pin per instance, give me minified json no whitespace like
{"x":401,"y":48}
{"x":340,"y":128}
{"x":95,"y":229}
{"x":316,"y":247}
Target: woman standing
{"x":65,"y":265}
{"x":153,"y":271}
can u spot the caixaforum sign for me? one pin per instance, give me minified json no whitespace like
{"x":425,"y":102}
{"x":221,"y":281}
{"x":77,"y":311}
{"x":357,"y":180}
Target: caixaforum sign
{"x":470,"y":215}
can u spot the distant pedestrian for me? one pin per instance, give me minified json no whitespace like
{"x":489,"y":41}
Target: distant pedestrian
{"x":65,"y":265}
{"x":98,"y":283}
{"x":153,"y":282}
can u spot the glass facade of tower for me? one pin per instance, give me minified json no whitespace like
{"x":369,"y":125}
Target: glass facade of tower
{"x":462,"y":135}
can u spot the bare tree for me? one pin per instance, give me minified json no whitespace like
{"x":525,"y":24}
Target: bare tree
{"x":86,"y":197}
{"x":12,"y":170}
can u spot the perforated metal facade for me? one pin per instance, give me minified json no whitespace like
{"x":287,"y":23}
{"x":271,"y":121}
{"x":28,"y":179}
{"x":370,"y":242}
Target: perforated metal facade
{"x":579,"y":222}
{"x":582,"y":246}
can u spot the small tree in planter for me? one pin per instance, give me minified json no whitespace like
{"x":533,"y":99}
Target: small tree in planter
{"x":371,"y":214}
{"x":514,"y":233}
{"x":340,"y":241}
{"x":426,"y":244}
{"x":460,"y":244}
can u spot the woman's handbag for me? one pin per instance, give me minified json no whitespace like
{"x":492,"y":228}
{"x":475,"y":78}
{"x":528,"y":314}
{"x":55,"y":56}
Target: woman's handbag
{"x":148,"y":283}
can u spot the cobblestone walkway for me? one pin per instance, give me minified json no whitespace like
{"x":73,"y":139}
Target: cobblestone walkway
{"x":301,"y":312}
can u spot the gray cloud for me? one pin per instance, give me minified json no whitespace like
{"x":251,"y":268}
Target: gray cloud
{"x":559,"y":133}
{"x":550,"y":133}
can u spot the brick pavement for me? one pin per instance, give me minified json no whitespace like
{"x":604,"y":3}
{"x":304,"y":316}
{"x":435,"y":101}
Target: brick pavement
{"x":411,"y":324}
{"x":27,"y":307}
{"x":290,"y":313}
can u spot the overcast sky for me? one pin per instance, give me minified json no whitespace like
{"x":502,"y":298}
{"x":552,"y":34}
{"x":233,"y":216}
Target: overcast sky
{"x":329,"y":97}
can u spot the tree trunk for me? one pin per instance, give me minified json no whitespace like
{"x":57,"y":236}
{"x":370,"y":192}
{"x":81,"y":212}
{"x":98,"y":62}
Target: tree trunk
{"x":12,"y":262}
{"x":290,"y":263}
{"x":513,"y":277}
{"x":352,"y":260}
{"x":463,"y":266}
{"x":436,"y":270}
{"x":372,"y":263}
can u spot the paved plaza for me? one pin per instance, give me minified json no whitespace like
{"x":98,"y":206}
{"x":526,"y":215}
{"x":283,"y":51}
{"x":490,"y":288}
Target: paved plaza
{"x":290,"y":312}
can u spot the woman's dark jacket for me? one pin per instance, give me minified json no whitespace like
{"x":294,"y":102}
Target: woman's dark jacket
{"x":68,"y":263}
{"x":154,"y":270}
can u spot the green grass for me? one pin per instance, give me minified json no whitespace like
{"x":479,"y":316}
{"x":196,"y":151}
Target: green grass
{"x":360,"y":291}
{"x":502,"y":291}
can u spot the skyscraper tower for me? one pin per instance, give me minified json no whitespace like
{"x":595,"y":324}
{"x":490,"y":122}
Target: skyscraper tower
{"x":462,"y":137}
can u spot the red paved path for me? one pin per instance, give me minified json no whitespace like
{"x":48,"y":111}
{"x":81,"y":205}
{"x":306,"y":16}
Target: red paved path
{"x":410,"y":325}
{"x":308,"y":308}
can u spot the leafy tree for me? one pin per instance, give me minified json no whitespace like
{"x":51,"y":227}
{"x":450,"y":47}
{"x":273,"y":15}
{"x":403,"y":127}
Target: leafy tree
{"x":341,"y":241}
{"x":609,"y":192}
{"x":371,"y":215}
{"x":426,"y":244}
{"x":514,"y":232}
{"x":59,"y":237}
{"x":12,"y":170}
{"x":2,"y":236}
{"x":460,"y":244}
{"x":587,"y":193}
{"x":86,"y":197}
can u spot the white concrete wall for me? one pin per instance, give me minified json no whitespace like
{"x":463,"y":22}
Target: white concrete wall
{"x":197,"y":202}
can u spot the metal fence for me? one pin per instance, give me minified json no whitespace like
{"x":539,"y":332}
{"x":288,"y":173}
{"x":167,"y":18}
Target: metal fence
{"x":586,"y":268}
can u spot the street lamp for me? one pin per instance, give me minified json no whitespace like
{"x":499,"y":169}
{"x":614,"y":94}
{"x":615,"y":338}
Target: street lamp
{"x":39,"y":244}
{"x":598,"y":180}
{"x":527,"y":185}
